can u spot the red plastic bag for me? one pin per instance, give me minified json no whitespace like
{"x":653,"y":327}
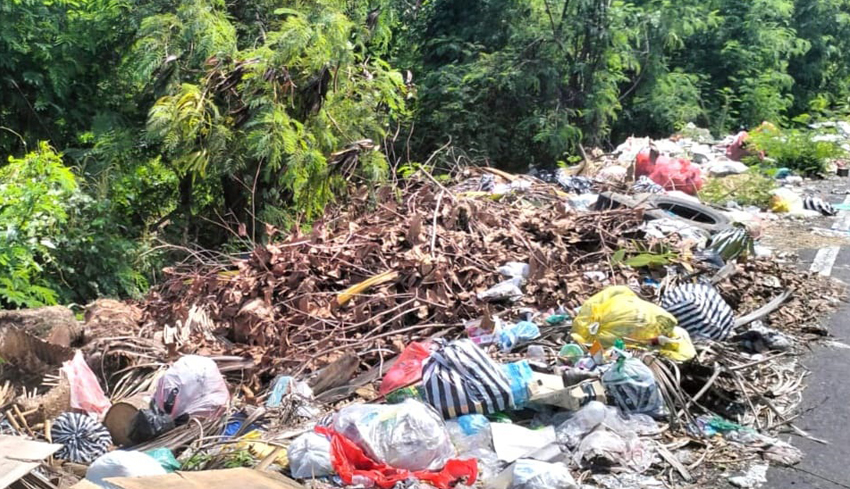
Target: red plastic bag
{"x":670,"y":173}
{"x":350,"y":463}
{"x":407,"y":369}
{"x":86,"y":394}
{"x":737,"y":151}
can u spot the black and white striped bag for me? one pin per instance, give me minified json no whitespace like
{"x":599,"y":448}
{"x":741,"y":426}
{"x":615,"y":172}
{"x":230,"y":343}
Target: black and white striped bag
{"x":645,"y":185}
{"x":700,"y":310}
{"x":733,"y":242}
{"x":459,"y":378}
{"x":83,"y":438}
{"x":811,"y":203}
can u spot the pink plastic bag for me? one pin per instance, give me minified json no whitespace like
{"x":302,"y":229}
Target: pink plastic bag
{"x":670,"y":173}
{"x":407,"y":369}
{"x":86,"y":394}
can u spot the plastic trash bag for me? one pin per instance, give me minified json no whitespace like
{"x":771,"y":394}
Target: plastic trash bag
{"x":632,"y":386}
{"x":504,"y":291}
{"x":618,"y":313}
{"x":516,"y":334}
{"x":678,"y":346}
{"x":701,"y":311}
{"x":354,"y":466}
{"x":193,"y":386}
{"x":596,"y":415}
{"x":122,"y":463}
{"x":86,"y":394}
{"x":459,"y":378}
{"x":472,"y":438}
{"x":670,"y":173}
{"x":410,"y":435}
{"x":310,"y":456}
{"x":407,"y":369}
{"x":83,"y":439}
{"x":609,"y":449}
{"x":519,"y":375}
{"x":166,"y":459}
{"x":514,"y":269}
{"x":147,"y":424}
{"x":533,"y":474}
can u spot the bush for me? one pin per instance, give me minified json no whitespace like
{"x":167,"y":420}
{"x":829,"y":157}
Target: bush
{"x":751,"y":188}
{"x":57,"y":243}
{"x":795,"y":149}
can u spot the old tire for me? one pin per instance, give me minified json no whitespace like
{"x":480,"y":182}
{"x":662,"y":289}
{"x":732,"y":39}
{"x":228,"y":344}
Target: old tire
{"x":662,"y":206}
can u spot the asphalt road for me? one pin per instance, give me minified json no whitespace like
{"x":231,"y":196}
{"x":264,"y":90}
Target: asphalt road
{"x":826,"y":405}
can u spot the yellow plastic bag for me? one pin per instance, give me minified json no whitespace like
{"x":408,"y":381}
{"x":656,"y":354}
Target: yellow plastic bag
{"x":678,"y":346}
{"x":618,"y":313}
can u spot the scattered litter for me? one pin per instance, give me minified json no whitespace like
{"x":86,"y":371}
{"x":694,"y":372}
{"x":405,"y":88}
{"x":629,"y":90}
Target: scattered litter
{"x":310,"y":456}
{"x":122,"y":463}
{"x":533,"y":474}
{"x":754,"y":477}
{"x":512,"y":442}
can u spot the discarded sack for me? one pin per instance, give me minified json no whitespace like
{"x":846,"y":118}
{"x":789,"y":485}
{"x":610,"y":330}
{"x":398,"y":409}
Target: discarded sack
{"x":353,"y":466}
{"x":459,"y":378}
{"x":644,"y":185}
{"x":193,"y":386}
{"x":310,"y":456}
{"x":409,"y":435}
{"x":618,"y":313}
{"x":733,"y":242}
{"x":811,"y":203}
{"x":632,"y":386}
{"x":700,"y":310}
{"x":147,"y":424}
{"x":83,"y":438}
{"x":122,"y":463}
{"x":86,"y":394}
{"x":670,"y":173}
{"x":533,"y":474}
{"x":407,"y":369}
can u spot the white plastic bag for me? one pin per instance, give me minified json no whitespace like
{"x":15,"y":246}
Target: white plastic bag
{"x":122,"y":463}
{"x":597,"y":415}
{"x":607,"y":448}
{"x":410,"y":435}
{"x":533,"y":474}
{"x":310,"y":456}
{"x":194,"y":386}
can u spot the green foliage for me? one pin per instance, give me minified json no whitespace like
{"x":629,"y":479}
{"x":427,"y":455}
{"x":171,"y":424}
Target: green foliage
{"x":35,"y":192}
{"x":643,"y":257}
{"x":797,"y":149}
{"x":179,"y":117}
{"x":753,"y":188}
{"x":57,"y":243}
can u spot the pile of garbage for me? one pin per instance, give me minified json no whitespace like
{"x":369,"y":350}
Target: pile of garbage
{"x":484,"y":329}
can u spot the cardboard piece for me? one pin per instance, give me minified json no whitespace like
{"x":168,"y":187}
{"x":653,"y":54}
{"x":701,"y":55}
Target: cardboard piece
{"x":19,"y":457}
{"x":571,"y":398}
{"x":243,"y":478}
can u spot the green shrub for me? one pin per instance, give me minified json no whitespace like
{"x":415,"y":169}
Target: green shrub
{"x":794,"y":149}
{"x":751,"y":188}
{"x":57,"y":243}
